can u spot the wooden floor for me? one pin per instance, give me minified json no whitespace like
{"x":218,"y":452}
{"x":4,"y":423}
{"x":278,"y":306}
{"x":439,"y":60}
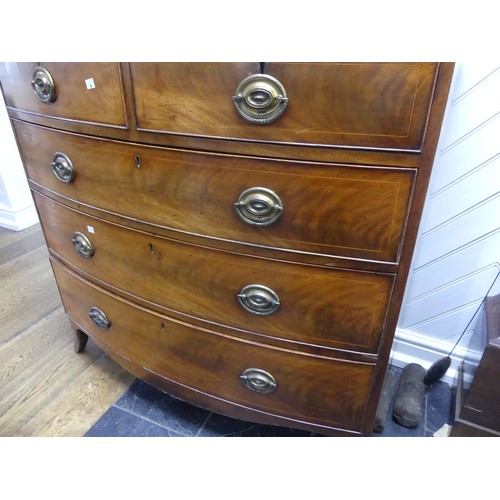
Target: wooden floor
{"x":46,"y":389}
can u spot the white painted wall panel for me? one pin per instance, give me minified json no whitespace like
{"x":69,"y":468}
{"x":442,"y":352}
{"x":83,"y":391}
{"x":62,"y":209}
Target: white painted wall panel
{"x":467,"y":155}
{"x":450,"y":325}
{"x":470,"y":191}
{"x":454,"y":265}
{"x":443,"y":239}
{"x":448,"y":298}
{"x":457,"y":254}
{"x":469,"y":75}
{"x":17,"y":210}
{"x":472,"y":110}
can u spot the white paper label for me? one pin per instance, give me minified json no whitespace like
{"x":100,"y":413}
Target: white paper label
{"x":90,"y":229}
{"x":89,"y":82}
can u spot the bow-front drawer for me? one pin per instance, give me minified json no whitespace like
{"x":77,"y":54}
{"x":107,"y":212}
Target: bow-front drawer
{"x":268,"y":299}
{"x":278,"y":382}
{"x":84,"y":92}
{"x":368,"y":105}
{"x":328,"y":209}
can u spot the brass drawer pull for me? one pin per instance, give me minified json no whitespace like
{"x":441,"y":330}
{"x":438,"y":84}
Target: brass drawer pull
{"x":259,"y":206}
{"x":258,"y":380}
{"x":99,"y":318}
{"x":259,"y":300}
{"x":82,"y":245}
{"x":43,"y":85}
{"x":63,"y":168}
{"x":260,"y":99}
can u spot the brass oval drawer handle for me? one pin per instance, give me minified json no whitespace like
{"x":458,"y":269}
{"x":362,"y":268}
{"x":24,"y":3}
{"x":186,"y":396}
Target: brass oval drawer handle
{"x":63,"y":168}
{"x":43,"y":85}
{"x":82,"y":245}
{"x":99,"y":318}
{"x":259,"y":300}
{"x":259,"y":206}
{"x":258,"y":380}
{"x":260,"y":99}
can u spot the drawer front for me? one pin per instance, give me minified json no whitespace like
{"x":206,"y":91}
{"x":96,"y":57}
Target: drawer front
{"x":374,"y":105}
{"x":330,"y":209}
{"x":319,"y":390}
{"x":318,"y":306}
{"x":87,"y":92}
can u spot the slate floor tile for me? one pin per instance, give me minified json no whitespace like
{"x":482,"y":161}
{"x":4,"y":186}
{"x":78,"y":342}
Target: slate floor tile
{"x":144,"y":400}
{"x":221,"y":426}
{"x":119,"y":423}
{"x":439,"y":405}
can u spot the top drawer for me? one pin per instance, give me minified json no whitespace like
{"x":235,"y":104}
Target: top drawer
{"x":86,"y":92}
{"x":372,"y":105}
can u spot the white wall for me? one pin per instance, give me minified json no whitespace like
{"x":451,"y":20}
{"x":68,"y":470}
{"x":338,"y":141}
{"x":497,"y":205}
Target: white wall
{"x":458,"y":249}
{"x":17,"y":210}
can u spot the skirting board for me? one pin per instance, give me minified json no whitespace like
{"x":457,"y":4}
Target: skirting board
{"x":19,"y":220}
{"x":411,"y":348}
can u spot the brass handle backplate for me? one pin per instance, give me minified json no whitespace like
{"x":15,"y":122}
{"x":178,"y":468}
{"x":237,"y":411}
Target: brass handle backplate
{"x":63,"y":168}
{"x":258,"y":380}
{"x":99,"y":318}
{"x":43,"y":85}
{"x":260,"y":99}
{"x":82,"y":245}
{"x":259,"y":300}
{"x":259,"y":206}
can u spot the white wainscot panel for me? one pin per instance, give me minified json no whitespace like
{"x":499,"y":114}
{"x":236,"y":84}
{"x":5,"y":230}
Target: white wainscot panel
{"x":472,"y":190}
{"x":446,"y":328}
{"x":454,"y":266}
{"x":468,"y":75}
{"x":472,"y":111}
{"x":452,"y":297}
{"x":484,"y":219}
{"x":466,"y":156}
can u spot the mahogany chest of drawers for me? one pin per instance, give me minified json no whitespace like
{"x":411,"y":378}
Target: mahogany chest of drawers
{"x":236,"y":234}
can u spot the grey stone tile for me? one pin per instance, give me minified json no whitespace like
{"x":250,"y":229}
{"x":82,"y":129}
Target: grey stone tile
{"x":221,"y":426}
{"x":119,"y":423}
{"x":147,"y":402}
{"x":439,"y":407}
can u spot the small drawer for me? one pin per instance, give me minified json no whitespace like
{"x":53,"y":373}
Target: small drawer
{"x":84,"y":92}
{"x":321,"y":208}
{"x":322,"y":391}
{"x":292,"y":302}
{"x":369,"y":105}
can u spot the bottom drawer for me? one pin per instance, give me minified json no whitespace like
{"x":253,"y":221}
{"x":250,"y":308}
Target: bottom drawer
{"x":296,"y":386}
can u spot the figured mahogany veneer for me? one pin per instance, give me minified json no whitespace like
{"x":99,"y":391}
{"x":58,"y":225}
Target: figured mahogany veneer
{"x":104,"y":104}
{"x":330,"y":308}
{"x":153,"y":241}
{"x":380,"y":105}
{"x":350,"y":211}
{"x":326,"y":392}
